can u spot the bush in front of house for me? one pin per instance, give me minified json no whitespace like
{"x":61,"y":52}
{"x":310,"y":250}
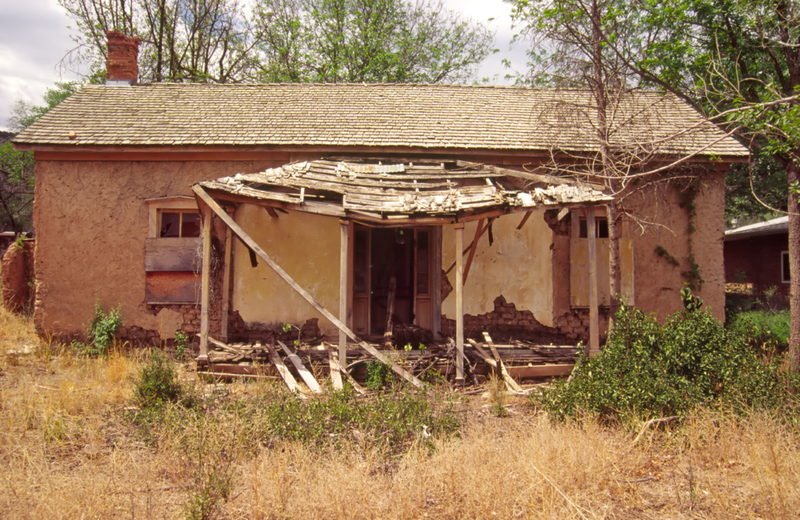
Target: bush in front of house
{"x":651,"y":370}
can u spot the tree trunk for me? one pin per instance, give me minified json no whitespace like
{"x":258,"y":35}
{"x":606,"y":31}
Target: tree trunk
{"x":793,"y":356}
{"x":614,"y":272}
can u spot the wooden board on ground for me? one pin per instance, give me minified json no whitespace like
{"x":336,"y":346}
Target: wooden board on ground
{"x":308,"y":378}
{"x":335,"y":366}
{"x":288,"y":378}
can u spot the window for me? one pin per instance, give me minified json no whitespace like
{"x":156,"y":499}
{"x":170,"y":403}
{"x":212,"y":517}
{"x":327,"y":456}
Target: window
{"x":579,"y":260}
{"x":179,"y":223}
{"x":785,"y":273}
{"x":600,"y":228}
{"x":171,"y":253}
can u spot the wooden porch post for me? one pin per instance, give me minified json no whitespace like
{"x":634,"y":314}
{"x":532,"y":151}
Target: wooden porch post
{"x":226,"y":287}
{"x":204,"y":297}
{"x":594,"y":326}
{"x":459,"y":228}
{"x":344,"y":226}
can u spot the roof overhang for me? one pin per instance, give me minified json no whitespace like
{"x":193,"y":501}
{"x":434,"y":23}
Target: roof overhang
{"x":775,"y":226}
{"x":397,"y":192}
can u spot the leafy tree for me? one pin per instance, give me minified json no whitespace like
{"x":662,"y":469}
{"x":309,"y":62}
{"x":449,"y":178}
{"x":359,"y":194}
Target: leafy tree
{"x":368,"y":41}
{"x":16,"y":168}
{"x":181,"y":40}
{"x":284,"y":40}
{"x":739,"y":61}
{"x":585,"y":44}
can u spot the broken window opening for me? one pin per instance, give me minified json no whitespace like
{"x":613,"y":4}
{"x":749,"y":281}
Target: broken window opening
{"x":601,"y":228}
{"x":179,"y":224}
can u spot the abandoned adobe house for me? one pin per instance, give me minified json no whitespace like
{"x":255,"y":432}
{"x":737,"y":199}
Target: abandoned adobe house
{"x":357,"y":192}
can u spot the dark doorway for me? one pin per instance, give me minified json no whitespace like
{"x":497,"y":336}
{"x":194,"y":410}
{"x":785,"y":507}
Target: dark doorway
{"x":391,"y":266}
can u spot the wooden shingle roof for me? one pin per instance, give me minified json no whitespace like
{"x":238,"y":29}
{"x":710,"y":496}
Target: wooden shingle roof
{"x":367,"y":115}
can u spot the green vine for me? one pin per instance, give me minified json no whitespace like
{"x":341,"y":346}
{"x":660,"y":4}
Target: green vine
{"x":692,"y":274}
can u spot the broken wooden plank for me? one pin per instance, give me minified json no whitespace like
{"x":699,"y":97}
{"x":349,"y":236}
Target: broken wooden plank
{"x":524,"y":219}
{"x":341,"y":370}
{"x":288,"y":378}
{"x":506,"y":376}
{"x":308,"y":377}
{"x":548,"y":370}
{"x":212,"y":204}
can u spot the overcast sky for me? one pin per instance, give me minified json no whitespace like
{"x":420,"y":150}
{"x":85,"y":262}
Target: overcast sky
{"x":34,"y":37}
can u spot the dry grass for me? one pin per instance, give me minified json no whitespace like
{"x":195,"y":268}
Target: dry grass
{"x":68,"y":449}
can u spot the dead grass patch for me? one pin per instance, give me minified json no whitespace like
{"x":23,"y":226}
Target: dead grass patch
{"x":70,"y":448}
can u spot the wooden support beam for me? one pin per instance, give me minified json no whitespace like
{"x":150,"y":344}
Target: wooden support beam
{"x":308,"y":378}
{"x":436,"y":285}
{"x":205,"y":287}
{"x":212,"y":204}
{"x":469,"y":247}
{"x":287,"y":376}
{"x":226,"y":287}
{"x":344,"y":248}
{"x":472,"y":249}
{"x":459,"y":228}
{"x":524,"y":219}
{"x":594,"y":324}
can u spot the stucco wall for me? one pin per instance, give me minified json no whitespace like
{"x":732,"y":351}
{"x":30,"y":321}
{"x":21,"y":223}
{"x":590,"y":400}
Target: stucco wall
{"x":91,"y":224}
{"x":516,"y":266}
{"x":306,"y":246}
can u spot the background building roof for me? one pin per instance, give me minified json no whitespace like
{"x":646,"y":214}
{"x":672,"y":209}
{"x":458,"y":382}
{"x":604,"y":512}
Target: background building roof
{"x":770,"y":227}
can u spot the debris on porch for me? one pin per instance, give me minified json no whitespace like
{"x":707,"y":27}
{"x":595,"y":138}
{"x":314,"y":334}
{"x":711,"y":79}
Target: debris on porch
{"x":515,"y":361}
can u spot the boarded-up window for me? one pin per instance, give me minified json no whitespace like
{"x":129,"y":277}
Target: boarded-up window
{"x":172,"y":251}
{"x":579,"y":262}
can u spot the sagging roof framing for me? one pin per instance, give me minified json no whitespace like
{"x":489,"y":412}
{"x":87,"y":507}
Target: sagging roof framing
{"x":389,"y":192}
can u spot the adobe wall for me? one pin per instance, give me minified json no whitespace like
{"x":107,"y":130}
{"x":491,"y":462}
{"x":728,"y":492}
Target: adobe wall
{"x":665,"y":224}
{"x":91,"y":224}
{"x":516,"y":266}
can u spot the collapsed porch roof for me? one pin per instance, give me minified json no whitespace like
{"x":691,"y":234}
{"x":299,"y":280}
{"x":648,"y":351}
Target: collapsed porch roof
{"x":393,"y":192}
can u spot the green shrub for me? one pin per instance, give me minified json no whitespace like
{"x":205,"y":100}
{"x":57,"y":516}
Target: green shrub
{"x":379,"y":375}
{"x":647,"y":370}
{"x":102,"y":331}
{"x":157,"y":383}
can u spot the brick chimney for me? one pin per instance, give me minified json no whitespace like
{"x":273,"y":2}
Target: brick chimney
{"x":122,"y":67}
